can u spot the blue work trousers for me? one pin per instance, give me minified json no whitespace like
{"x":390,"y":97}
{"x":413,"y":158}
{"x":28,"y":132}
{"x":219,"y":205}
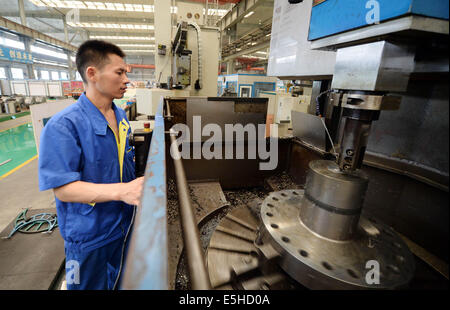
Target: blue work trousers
{"x":96,"y":269}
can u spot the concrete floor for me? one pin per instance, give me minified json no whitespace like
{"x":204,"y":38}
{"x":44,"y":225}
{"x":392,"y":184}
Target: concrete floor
{"x":20,"y":190}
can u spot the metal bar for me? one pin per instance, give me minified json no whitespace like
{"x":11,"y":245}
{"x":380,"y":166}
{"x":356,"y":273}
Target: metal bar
{"x":196,"y":262}
{"x":147,"y":260}
{"x":5,"y":162}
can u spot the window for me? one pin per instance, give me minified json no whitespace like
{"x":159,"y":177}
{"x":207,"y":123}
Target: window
{"x":17,"y":73}
{"x":44,"y":75}
{"x":78,"y":76}
{"x":55,"y":75}
{"x":2,"y":73}
{"x":12,"y":43}
{"x":64,"y":76}
{"x":35,"y":74}
{"x":48,"y":52}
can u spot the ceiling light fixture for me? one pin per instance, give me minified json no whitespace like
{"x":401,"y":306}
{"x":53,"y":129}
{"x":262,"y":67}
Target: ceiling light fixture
{"x":123,"y":38}
{"x":95,"y":5}
{"x":138,"y":51}
{"x":137,"y":45}
{"x":108,"y":25}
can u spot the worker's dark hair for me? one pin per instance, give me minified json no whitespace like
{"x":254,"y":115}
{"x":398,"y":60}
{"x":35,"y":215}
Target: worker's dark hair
{"x":95,"y":53}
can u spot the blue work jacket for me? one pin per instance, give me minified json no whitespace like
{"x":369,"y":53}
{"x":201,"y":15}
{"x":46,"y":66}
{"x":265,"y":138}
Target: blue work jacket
{"x":77,"y":144}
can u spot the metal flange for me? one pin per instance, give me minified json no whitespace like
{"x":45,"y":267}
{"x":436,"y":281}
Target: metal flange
{"x":320,"y":263}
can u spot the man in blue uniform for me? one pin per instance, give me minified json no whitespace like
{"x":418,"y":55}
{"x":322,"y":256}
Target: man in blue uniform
{"x":86,"y":158}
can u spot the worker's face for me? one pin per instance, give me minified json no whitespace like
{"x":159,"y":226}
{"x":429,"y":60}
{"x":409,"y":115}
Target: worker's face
{"x":111,"y":79}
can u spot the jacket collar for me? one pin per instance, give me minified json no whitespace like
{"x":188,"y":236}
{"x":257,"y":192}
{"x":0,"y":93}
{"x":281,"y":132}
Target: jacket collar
{"x":97,"y":119}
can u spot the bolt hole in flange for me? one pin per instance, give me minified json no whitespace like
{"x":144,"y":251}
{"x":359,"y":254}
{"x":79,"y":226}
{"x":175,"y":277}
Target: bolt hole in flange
{"x":352,"y":273}
{"x":397,"y":245}
{"x":269,"y":214}
{"x":400,"y":259}
{"x":285,"y":239}
{"x":303,"y":253}
{"x":275,"y":198}
{"x":327,"y":266}
{"x":274,"y":226}
{"x":388,"y":233}
{"x":270,"y":205}
{"x":283,"y":194}
{"x":295,"y":193}
{"x":394,"y":269}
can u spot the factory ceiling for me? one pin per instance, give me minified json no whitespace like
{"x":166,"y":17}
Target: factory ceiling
{"x":128,"y":23}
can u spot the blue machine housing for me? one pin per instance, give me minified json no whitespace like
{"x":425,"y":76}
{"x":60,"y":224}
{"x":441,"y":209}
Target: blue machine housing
{"x":236,"y":85}
{"x":335,"y":16}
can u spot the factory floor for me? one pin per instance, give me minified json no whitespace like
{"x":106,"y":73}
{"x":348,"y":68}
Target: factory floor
{"x":19,"y":177}
{"x":19,"y":188}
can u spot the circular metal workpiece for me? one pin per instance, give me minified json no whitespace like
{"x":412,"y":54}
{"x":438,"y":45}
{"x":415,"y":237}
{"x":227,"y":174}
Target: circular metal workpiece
{"x":327,"y":184}
{"x":332,"y":200}
{"x":321,"y":263}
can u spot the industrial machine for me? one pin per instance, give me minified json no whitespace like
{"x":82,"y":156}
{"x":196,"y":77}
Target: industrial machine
{"x":354,"y":201}
{"x":183,"y":65}
{"x":245,"y":85}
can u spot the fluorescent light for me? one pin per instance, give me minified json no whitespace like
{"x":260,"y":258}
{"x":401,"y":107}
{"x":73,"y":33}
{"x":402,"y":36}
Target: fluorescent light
{"x":110,"y":6}
{"x":138,"y":7}
{"x":249,"y":14}
{"x":148,"y":8}
{"x":123,"y":38}
{"x":107,"y":25}
{"x":96,"y":5}
{"x":139,"y":51}
{"x":119,"y":6}
{"x":129,"y":7}
{"x":136,"y":45}
{"x":263,"y":53}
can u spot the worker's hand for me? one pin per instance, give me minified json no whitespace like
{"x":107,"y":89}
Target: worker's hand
{"x":131,"y":192}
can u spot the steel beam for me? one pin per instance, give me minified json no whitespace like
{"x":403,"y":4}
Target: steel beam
{"x":31,"y":33}
{"x":252,"y":49}
{"x":237,"y":13}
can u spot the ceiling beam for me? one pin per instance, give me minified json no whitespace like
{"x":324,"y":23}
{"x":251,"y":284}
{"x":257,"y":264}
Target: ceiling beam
{"x":250,"y":50}
{"x":25,"y":31}
{"x":237,"y":13}
{"x":85,"y":18}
